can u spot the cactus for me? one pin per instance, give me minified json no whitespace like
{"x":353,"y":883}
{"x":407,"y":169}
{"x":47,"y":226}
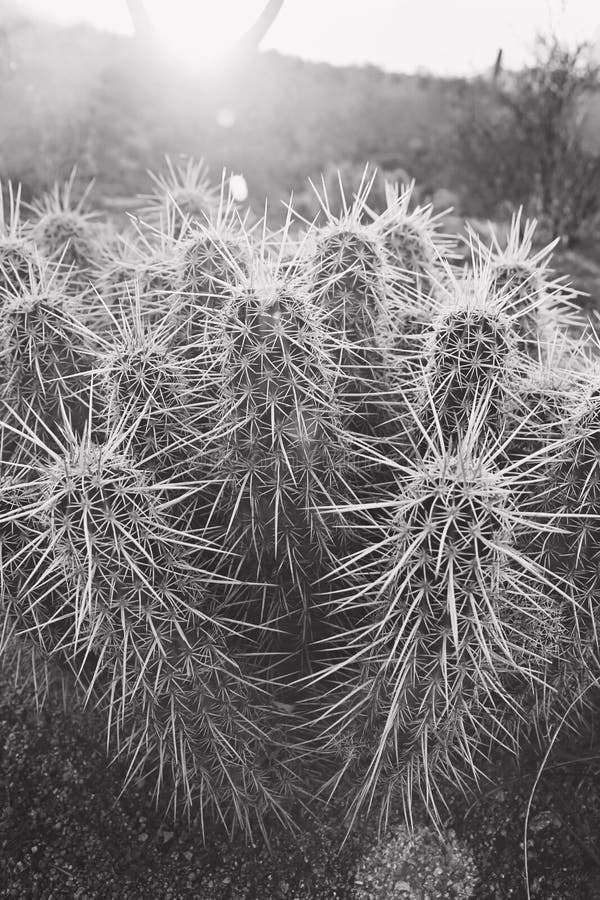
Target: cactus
{"x":181,"y":196}
{"x":277,"y":446}
{"x":146,"y":387}
{"x":43,"y":364}
{"x":107,"y":585}
{"x":470,"y":356}
{"x":140,"y":273}
{"x":412,"y":236}
{"x":535,"y":412}
{"x":354,"y":279}
{"x":299,"y":511}
{"x":211,"y":257}
{"x":454,"y":617}
{"x":209,"y":260}
{"x":569,"y":551}
{"x":421,"y":253}
{"x":64,"y":233}
{"x":542,"y":305}
{"x":19,"y":259}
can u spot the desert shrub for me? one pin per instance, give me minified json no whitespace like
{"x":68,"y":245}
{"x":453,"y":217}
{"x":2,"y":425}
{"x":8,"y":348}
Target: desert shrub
{"x":285,"y":505}
{"x":527,"y":138}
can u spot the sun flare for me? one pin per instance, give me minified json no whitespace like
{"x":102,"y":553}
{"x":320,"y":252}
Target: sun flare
{"x":201,"y":31}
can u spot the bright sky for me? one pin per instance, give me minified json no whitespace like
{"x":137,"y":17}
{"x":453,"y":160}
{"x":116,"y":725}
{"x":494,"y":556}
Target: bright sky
{"x":441,"y":36}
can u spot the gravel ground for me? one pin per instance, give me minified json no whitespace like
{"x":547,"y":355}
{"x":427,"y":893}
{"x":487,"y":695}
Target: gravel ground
{"x":66,"y":833}
{"x":563,"y":837}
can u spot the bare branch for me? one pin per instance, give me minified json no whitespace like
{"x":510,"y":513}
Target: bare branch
{"x":253,"y":37}
{"x":144,"y":29}
{"x":497,"y":67}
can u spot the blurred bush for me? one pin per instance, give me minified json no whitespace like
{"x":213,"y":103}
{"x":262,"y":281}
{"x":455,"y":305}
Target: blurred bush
{"x":529,"y":138}
{"x":81,"y":96}
{"x":103,"y":102}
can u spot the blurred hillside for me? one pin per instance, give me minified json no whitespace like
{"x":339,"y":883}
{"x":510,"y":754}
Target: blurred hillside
{"x":81,"y":96}
{"x":103,"y":102}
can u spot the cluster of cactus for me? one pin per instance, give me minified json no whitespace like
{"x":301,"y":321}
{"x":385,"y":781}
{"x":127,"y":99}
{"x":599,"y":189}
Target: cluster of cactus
{"x":304,"y":511}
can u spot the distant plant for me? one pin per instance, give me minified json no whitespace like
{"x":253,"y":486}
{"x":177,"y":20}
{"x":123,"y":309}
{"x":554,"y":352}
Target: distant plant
{"x":285,"y":505}
{"x":527,"y":140}
{"x":63,"y":232}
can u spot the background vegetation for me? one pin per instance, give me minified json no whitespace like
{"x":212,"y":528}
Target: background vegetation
{"x":78,"y":96}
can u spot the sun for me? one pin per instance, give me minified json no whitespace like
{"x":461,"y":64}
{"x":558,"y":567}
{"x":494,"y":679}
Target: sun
{"x":198,"y":32}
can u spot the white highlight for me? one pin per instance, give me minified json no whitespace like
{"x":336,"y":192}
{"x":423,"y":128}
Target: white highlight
{"x":201,"y":32}
{"x":239,"y":188}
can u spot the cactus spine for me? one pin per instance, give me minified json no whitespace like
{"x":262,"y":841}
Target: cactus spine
{"x":291,"y":507}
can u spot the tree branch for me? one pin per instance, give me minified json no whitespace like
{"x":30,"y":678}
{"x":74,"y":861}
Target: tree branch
{"x":497,"y":67}
{"x":143,"y":27}
{"x":252,"y":38}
